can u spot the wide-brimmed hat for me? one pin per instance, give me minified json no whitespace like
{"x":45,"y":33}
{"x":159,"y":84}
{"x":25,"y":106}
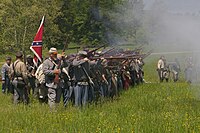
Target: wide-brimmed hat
{"x":53,"y":51}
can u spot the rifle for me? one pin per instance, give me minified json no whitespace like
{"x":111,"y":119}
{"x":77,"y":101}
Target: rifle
{"x":63,"y":51}
{"x":56,"y":79}
{"x":107,"y":51}
{"x":139,"y":48}
{"x":119,"y":57}
{"x":90,"y":53}
{"x":24,"y":53}
{"x":135,"y":55}
{"x":95,"y":95}
{"x":74,"y":48}
{"x":147,"y":54}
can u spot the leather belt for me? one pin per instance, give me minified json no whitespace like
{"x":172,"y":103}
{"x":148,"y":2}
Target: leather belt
{"x":82,"y":83}
{"x":18,"y":78}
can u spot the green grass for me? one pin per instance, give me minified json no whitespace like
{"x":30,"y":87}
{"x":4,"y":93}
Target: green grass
{"x":149,"y":108}
{"x":167,"y":107}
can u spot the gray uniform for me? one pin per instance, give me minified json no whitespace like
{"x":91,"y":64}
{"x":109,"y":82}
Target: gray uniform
{"x":19,"y":81}
{"x":54,"y":90}
{"x":31,"y":78}
{"x":81,"y":90}
{"x":40,"y":83}
{"x":175,"y":69}
{"x":6,"y":86}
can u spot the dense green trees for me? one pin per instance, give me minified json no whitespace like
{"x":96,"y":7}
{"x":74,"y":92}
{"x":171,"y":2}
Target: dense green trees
{"x":19,"y":20}
{"x":76,"y":21}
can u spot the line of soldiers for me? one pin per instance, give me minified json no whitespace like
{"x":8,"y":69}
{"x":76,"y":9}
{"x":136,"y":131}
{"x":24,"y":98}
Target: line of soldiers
{"x":79,"y":78}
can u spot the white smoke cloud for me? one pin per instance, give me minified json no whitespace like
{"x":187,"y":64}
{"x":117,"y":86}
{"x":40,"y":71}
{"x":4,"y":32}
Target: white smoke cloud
{"x":174,"y":29}
{"x":178,"y":31}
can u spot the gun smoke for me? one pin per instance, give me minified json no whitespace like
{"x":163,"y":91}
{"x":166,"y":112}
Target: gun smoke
{"x":175,"y":27}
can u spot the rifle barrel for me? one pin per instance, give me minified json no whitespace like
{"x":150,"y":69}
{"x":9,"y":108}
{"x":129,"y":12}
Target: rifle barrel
{"x":96,"y":49}
{"x":109,"y":58}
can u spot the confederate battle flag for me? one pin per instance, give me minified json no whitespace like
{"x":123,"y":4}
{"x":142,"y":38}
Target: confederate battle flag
{"x":36,"y":46}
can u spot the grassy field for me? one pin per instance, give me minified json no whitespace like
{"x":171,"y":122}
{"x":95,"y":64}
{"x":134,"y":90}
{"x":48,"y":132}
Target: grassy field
{"x":149,"y":108}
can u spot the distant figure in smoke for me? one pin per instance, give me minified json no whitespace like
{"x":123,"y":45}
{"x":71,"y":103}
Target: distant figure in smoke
{"x":175,"y":69}
{"x":189,"y":70}
{"x":163,"y":70}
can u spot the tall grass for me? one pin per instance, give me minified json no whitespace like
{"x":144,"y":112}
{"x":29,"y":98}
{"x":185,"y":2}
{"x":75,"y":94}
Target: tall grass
{"x":148,"y":108}
{"x":170,"y":107}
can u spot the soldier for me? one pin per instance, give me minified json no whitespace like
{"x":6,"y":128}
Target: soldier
{"x":133,"y":72}
{"x":189,"y":70}
{"x":67,"y":81}
{"x":140,"y":63}
{"x":161,"y":67}
{"x":81,"y":67}
{"x":107,"y":76}
{"x":19,"y":80}
{"x":126,"y":77}
{"x":113,"y":85}
{"x":40,"y":80}
{"x":104,"y":82}
{"x":178,"y":64}
{"x":52,"y":72}
{"x":138,"y":72}
{"x":31,"y":73}
{"x":95,"y":75}
{"x":175,"y":69}
{"x":6,"y":85}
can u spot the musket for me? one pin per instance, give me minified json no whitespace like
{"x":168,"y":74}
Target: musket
{"x":90,"y":53}
{"x":24,"y":54}
{"x":138,"y":48}
{"x":131,"y":56}
{"x":147,"y":54}
{"x":107,"y":51}
{"x":56,"y":79}
{"x":135,"y":55}
{"x":102,"y":54}
{"x":114,"y":58}
{"x":63,"y":51}
{"x":74,"y":47}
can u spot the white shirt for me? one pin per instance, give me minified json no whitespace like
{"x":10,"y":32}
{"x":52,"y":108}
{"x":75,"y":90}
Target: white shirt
{"x":161,"y":64}
{"x":40,"y":75}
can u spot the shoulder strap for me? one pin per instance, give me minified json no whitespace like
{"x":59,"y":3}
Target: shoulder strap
{"x":14,"y":65}
{"x":53,"y":63}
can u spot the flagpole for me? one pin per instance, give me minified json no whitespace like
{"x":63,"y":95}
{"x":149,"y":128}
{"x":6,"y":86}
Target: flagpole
{"x":36,"y":46}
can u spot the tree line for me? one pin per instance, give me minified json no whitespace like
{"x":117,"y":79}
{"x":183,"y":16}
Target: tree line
{"x":82,"y":22}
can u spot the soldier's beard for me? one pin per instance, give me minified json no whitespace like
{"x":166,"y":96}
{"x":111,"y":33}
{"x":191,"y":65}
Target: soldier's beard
{"x":8,"y":63}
